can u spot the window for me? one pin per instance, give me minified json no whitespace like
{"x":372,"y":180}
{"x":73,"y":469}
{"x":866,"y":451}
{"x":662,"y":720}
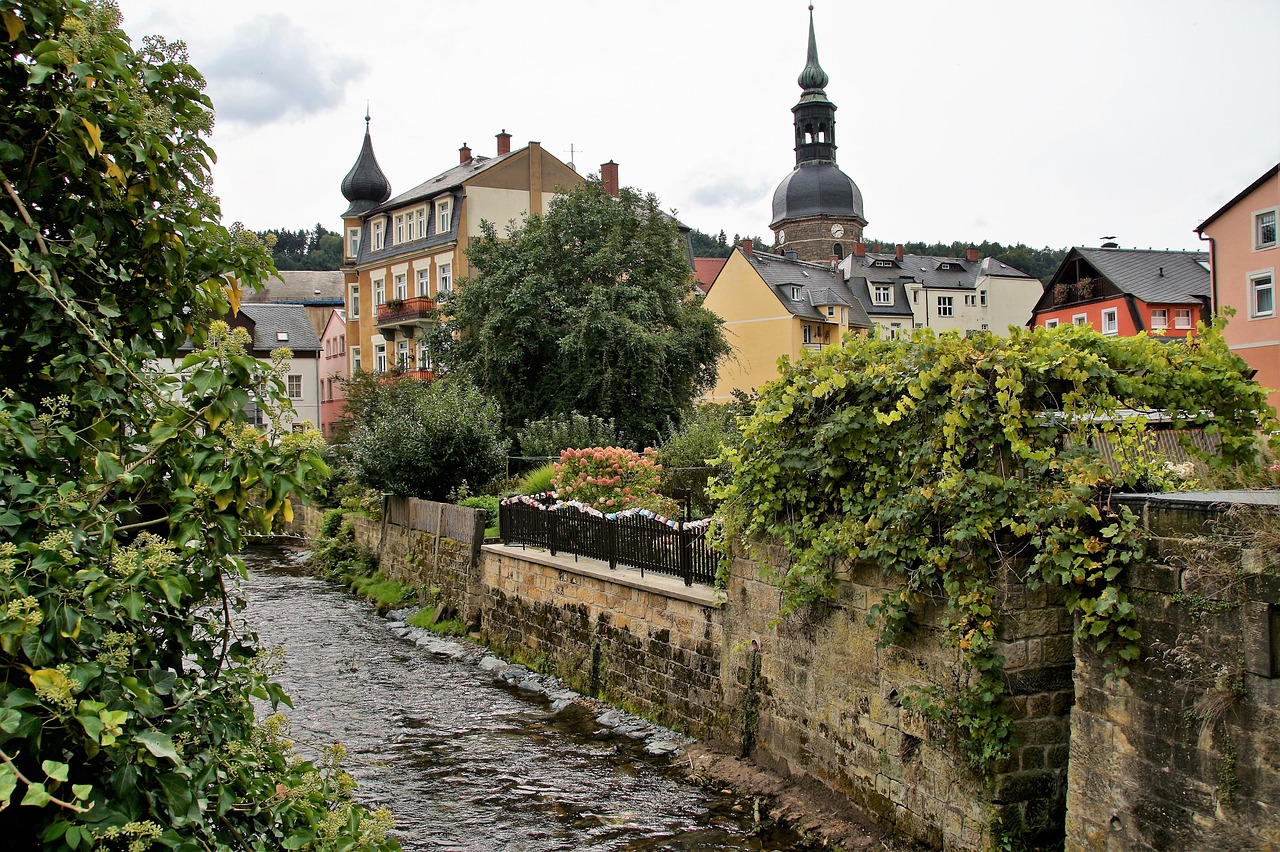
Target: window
{"x":915,"y":297}
{"x":444,"y":284}
{"x":444,"y":216}
{"x":1051,"y":323}
{"x":295,"y":387}
{"x":1182,"y":318}
{"x":895,"y":330}
{"x":422,"y":225}
{"x":831,"y":310}
{"x":380,"y":358}
{"x":1159,"y":318}
{"x":838,"y":251}
{"x":882,"y":295}
{"x":424,"y":282}
{"x":795,"y":294}
{"x":355,"y":301}
{"x":984,"y":326}
{"x":355,"y":359}
{"x":402,"y":287}
{"x":402,"y":355}
{"x":1262,"y":296}
{"x":342,"y":344}
{"x":378,"y":226}
{"x":808,"y":334}
{"x":1264,"y":229}
{"x":982,"y":298}
{"x":919,"y":325}
{"x":945,"y":306}
{"x":970,"y":300}
{"x":1109,"y":322}
{"x":379,"y":292}
{"x":353,"y":242}
{"x":1080,"y":319}
{"x":399,"y":229}
{"x":424,"y":355}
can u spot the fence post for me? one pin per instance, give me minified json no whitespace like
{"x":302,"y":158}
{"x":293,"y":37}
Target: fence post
{"x":551,"y":531}
{"x":611,"y":538}
{"x":686,"y":555}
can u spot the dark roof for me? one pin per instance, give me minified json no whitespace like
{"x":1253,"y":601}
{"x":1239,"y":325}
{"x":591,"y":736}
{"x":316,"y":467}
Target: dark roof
{"x":816,"y":189}
{"x":300,"y":287}
{"x":819,"y":286}
{"x":1154,"y":276}
{"x":900,"y":307}
{"x":450,"y":179}
{"x":365,"y":186}
{"x":269,"y":321}
{"x":1270,"y":173}
{"x":927,"y":270}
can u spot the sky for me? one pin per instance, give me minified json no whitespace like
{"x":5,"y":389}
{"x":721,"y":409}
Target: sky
{"x":1052,"y":123}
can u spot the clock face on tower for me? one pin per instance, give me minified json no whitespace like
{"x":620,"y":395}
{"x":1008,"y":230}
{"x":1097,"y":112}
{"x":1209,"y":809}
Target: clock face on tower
{"x":782,"y":237}
{"x":837,"y":231}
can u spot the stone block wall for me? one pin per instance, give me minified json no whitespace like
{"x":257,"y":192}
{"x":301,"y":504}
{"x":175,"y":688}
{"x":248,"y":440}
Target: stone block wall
{"x":817,"y":696}
{"x":1185,"y":752}
{"x":653,"y":650}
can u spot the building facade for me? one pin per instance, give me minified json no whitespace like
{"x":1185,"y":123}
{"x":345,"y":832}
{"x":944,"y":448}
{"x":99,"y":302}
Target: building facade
{"x":333,"y":370}
{"x":1127,"y":291}
{"x":1245,"y":254}
{"x":401,"y":253}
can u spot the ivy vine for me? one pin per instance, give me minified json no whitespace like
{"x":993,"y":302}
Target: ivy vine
{"x":948,"y":460}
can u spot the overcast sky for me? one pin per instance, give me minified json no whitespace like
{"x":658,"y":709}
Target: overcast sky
{"x":1054,"y":122}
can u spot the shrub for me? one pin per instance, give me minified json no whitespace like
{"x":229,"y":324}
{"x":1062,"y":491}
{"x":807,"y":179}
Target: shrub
{"x":548,"y":436}
{"x":488,"y":504}
{"x":611,"y":479}
{"x":538,"y":480}
{"x":687,"y":456}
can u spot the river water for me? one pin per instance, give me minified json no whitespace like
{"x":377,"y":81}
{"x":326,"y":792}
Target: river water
{"x":464,"y":761}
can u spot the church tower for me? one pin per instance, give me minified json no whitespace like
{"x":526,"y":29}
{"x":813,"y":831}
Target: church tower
{"x":817,"y":209}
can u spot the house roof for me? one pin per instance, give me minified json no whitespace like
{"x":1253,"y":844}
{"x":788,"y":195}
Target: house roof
{"x":301,"y":287}
{"x":705,"y":269}
{"x":1154,"y":276}
{"x":1270,"y":173}
{"x":819,"y":286}
{"x":451,"y":179}
{"x":933,"y":272}
{"x":271,"y":320}
{"x":900,"y":307}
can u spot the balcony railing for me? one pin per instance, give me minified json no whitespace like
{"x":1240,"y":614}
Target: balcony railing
{"x":405,"y":310}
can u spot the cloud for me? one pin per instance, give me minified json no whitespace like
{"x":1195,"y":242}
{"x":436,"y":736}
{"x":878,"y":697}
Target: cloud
{"x":729,"y":192}
{"x":268,"y":70}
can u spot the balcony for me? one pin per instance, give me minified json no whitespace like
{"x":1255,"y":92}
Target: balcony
{"x":396,"y":374}
{"x":416,"y":312}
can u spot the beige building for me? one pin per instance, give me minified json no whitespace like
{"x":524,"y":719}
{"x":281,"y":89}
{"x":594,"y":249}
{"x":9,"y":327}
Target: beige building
{"x":402,"y":252}
{"x":1244,"y":255}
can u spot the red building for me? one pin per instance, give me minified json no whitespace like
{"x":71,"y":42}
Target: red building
{"x":1126,"y":291}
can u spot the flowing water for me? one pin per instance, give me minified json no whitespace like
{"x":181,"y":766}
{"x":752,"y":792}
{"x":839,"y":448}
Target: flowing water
{"x":464,"y":762}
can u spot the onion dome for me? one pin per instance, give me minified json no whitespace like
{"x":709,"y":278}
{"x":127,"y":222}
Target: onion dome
{"x":365,"y":186}
{"x":816,"y":189}
{"x":812,"y":79}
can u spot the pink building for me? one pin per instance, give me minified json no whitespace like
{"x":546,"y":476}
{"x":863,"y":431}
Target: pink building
{"x":333,"y":368}
{"x":1245,"y":254}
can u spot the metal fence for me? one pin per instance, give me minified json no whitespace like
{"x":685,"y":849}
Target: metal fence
{"x":635,"y":541}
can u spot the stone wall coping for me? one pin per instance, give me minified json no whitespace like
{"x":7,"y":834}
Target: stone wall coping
{"x":670,"y":587}
{"x":1204,"y":500}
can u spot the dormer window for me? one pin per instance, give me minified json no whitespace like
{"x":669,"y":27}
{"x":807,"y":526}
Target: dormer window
{"x":282,"y":336}
{"x":947,"y":266}
{"x":444,"y":216}
{"x":882,"y":294}
{"x":885,"y":264}
{"x":795,"y":294}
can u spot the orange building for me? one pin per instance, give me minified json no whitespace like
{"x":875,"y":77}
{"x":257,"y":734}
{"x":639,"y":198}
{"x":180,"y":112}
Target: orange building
{"x":1243,"y":245}
{"x":1125,"y":291}
{"x":401,"y":253}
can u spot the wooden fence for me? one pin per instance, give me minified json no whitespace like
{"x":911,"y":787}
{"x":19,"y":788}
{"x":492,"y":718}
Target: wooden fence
{"x":636,"y":541}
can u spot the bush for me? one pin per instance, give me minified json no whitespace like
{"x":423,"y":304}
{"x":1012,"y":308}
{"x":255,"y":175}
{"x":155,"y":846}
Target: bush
{"x":538,"y":480}
{"x":611,"y":479}
{"x":488,"y":504}
{"x":548,"y":436}
{"x":428,"y":438}
{"x":686,"y":456}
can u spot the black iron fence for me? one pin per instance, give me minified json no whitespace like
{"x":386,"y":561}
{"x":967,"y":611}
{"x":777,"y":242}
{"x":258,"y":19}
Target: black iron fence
{"x":671,"y":549}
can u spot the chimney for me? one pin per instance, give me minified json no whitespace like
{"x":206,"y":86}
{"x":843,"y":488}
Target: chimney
{"x":609,"y":177}
{"x":860,"y":249}
{"x":790,"y":254}
{"x":897,"y":252}
{"x":746,"y":247}
{"x":835,"y":261}
{"x":504,"y":143}
{"x":464,"y":154}
{"x":971,"y":254}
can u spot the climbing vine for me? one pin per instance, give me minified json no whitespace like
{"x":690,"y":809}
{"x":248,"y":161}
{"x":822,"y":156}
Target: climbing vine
{"x":948,"y":460}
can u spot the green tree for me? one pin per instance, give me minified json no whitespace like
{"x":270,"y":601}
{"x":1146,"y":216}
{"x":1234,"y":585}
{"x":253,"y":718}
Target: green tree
{"x":586,"y":308}
{"x":125,"y":675}
{"x":424,"y":439}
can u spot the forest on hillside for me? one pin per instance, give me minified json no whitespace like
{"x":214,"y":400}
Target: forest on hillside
{"x":317,"y":248}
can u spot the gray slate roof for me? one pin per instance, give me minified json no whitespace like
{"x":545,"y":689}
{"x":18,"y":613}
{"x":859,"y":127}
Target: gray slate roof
{"x":820,"y":286}
{"x":926,"y":269}
{"x":270,"y":320}
{"x":300,"y":286}
{"x":450,"y":179}
{"x":1154,"y":276}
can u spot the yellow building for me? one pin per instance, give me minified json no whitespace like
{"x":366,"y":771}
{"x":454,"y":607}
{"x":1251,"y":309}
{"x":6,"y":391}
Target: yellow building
{"x":774,"y":305}
{"x":401,"y":253}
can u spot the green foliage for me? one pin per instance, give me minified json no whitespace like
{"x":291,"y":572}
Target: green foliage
{"x":611,"y":479}
{"x":488,"y":503}
{"x":317,"y":249}
{"x":384,"y":592}
{"x":549,"y":435}
{"x":695,"y":453}
{"x":126,"y":675}
{"x":424,"y":619}
{"x":538,"y":481}
{"x":586,"y":308}
{"x":705,"y":245}
{"x":948,"y":460}
{"x":424,"y":439}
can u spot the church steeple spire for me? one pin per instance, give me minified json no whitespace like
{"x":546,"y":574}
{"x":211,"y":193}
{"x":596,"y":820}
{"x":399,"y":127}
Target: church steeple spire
{"x":815,"y":116}
{"x":365,"y":186}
